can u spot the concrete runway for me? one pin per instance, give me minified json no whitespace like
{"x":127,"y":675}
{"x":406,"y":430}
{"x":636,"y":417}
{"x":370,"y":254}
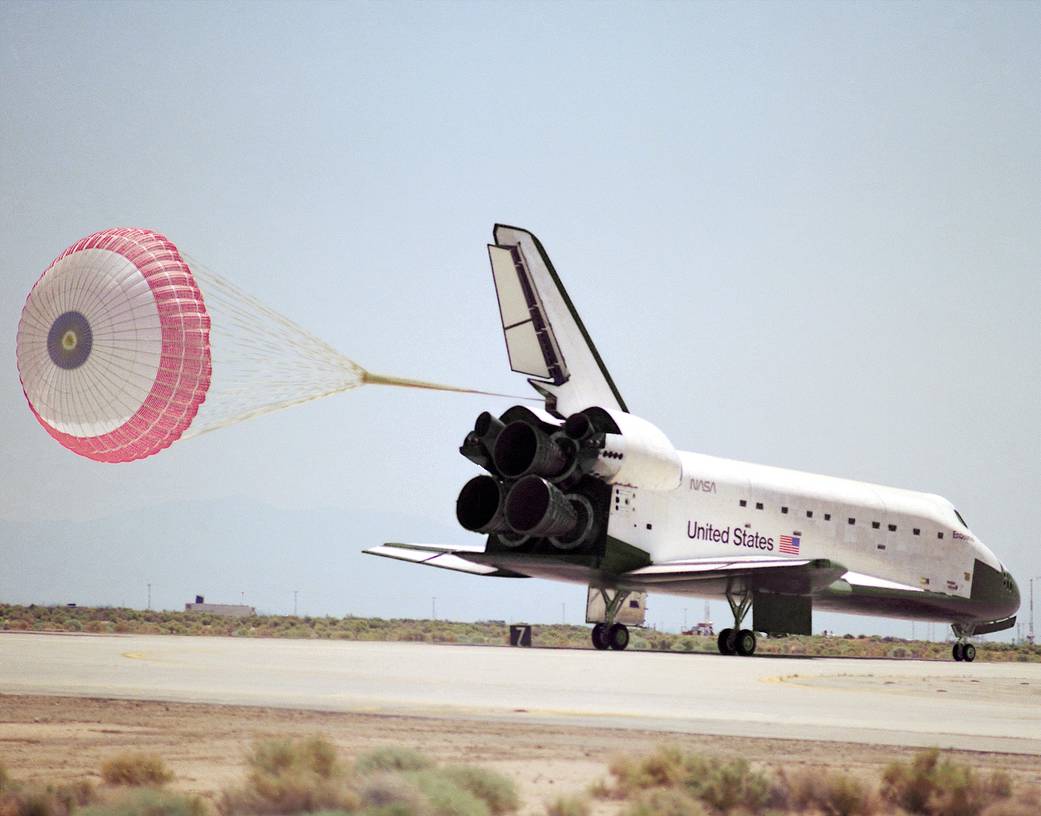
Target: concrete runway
{"x":979,"y":706}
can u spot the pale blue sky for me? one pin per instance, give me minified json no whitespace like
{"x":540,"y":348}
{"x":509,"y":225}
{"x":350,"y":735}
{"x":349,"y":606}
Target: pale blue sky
{"x":801,"y":234}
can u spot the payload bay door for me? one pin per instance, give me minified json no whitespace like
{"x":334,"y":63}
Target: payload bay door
{"x":633,"y":611}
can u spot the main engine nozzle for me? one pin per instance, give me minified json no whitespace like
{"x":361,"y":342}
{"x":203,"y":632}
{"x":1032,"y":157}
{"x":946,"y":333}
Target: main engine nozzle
{"x":535,"y":507}
{"x":479,"y":507}
{"x":579,"y":427}
{"x":480,"y":442}
{"x":522,"y":450}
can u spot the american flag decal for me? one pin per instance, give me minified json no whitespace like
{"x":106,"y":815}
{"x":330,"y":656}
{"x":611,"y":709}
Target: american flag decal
{"x":789,"y":545}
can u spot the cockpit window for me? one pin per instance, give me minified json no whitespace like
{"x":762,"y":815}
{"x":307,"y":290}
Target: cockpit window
{"x":963,"y":524}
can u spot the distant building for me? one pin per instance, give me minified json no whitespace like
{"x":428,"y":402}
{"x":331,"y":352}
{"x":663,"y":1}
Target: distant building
{"x":224,"y":610}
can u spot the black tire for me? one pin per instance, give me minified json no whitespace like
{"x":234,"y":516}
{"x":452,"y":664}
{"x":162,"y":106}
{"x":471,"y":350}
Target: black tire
{"x":726,"y":642}
{"x":745,"y":644}
{"x":957,"y":653}
{"x":968,"y":653}
{"x":618,"y":637}
{"x":600,"y":637}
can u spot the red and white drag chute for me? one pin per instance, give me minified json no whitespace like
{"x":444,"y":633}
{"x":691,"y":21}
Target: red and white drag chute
{"x":114,"y":346}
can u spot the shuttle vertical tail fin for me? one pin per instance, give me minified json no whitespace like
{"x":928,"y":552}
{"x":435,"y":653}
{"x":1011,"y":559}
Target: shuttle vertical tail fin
{"x":545,"y":337}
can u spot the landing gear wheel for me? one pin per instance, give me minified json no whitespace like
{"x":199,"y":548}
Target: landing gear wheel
{"x":618,"y":637}
{"x":745,"y":642}
{"x":600,"y":637}
{"x":957,"y":652}
{"x":968,"y":652}
{"x":726,"y":642}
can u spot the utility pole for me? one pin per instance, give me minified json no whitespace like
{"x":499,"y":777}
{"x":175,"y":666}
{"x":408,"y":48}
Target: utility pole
{"x":1030,"y":636}
{"x":296,"y":592}
{"x":563,"y":613}
{"x":150,"y":596}
{"x":433,"y":607}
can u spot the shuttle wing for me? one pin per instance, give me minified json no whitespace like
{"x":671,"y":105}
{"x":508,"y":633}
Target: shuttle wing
{"x":545,"y":337}
{"x":800,"y":576}
{"x":450,"y":558}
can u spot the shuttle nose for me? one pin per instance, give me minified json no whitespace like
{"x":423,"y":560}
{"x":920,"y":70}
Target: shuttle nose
{"x":1011,"y":592}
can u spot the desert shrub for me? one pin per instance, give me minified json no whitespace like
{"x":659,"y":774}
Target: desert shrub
{"x":75,"y":794}
{"x":391,"y":758}
{"x":730,"y":783}
{"x":135,"y":769}
{"x":148,"y":802}
{"x":722,"y":784}
{"x":315,"y":755}
{"x":292,"y":776}
{"x":446,"y":798}
{"x":495,"y":790}
{"x":286,"y":794}
{"x":30,"y":802}
{"x":5,"y":779}
{"x":831,"y":792}
{"x":34,"y":800}
{"x":568,"y":806}
{"x":600,"y":788}
{"x":664,"y":802}
{"x":933,"y":786}
{"x":390,"y":794}
{"x":1026,"y":802}
{"x":668,"y":765}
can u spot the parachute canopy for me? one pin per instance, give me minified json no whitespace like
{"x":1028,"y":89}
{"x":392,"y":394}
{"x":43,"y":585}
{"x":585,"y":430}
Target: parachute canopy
{"x":114,"y":346}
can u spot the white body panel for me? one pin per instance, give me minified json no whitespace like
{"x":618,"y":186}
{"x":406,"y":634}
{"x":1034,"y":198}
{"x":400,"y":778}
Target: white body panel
{"x":704,"y":518}
{"x":640,"y":455}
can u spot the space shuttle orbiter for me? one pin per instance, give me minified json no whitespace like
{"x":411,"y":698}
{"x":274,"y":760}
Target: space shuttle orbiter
{"x":582,"y":490}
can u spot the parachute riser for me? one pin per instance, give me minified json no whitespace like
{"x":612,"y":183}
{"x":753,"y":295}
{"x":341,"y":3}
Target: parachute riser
{"x":370,"y":378}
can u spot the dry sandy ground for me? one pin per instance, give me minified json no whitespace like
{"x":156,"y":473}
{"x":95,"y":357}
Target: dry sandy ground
{"x":63,"y":738}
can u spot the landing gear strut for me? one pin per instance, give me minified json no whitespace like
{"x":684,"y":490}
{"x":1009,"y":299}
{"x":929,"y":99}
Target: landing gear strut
{"x":963,"y":650}
{"x":611,"y":635}
{"x":737,"y":640}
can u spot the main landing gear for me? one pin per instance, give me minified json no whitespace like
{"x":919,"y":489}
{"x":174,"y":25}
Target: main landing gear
{"x":963,"y":650}
{"x":737,"y":640}
{"x":611,"y":635}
